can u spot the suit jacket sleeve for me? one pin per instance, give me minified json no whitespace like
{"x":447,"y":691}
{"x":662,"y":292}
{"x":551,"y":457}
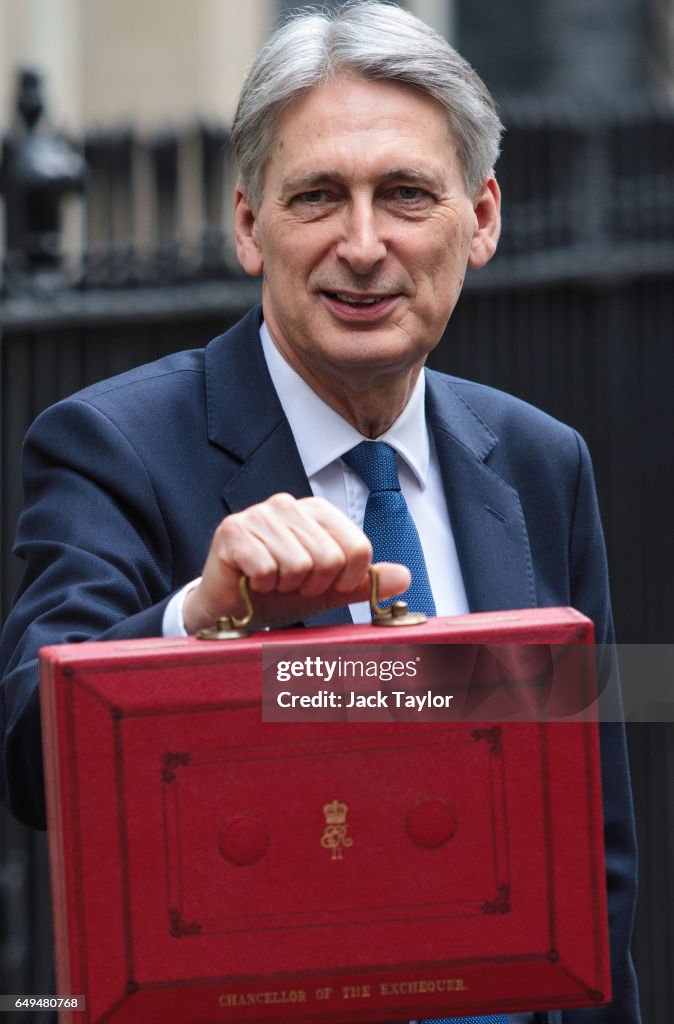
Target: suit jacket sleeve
{"x":98,"y":564}
{"x":125,"y":483}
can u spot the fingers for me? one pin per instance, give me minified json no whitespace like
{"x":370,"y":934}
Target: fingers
{"x":300,"y":556}
{"x":343,"y":562}
{"x":285,"y":545}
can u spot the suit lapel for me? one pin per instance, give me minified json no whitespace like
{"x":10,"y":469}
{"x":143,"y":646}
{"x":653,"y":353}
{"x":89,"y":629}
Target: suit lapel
{"x":246,"y":420}
{"x":485,"y":511}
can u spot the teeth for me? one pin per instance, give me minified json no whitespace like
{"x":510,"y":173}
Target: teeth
{"x":355,"y":302}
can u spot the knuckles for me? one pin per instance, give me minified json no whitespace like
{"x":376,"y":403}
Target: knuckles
{"x":331,"y":546}
{"x":281,"y":502}
{"x":362,"y":550}
{"x":317,"y":505}
{"x":332,"y":560}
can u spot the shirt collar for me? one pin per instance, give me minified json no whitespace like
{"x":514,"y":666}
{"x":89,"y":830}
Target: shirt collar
{"x":322,"y":435}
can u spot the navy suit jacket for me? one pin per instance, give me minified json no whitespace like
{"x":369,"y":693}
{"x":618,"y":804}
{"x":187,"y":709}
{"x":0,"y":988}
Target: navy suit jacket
{"x":126,"y":481}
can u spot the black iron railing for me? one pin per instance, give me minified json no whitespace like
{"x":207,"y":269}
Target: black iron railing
{"x":587,"y":192}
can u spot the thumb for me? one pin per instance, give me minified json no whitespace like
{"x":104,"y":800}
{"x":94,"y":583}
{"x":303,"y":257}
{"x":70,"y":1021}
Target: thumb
{"x":392,"y":579}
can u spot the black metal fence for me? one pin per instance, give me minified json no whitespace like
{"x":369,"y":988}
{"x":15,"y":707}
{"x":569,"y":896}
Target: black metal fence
{"x":575,"y":314}
{"x":587,"y":192}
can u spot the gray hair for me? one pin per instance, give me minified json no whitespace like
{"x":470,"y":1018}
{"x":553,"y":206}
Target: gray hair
{"x":370,"y":40}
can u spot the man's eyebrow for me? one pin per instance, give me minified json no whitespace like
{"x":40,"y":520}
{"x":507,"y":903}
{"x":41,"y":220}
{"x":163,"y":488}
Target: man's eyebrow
{"x":316,"y":179}
{"x":310,"y":180}
{"x":418,"y":176}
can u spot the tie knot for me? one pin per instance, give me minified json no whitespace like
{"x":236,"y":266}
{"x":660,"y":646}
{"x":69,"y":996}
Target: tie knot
{"x":375,"y":463}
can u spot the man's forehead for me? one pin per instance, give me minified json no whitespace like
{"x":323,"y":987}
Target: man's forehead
{"x":363,"y":97}
{"x":397,"y":130}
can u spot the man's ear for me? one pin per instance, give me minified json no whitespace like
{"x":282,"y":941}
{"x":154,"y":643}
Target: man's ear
{"x":248,"y":250}
{"x":487,"y":208}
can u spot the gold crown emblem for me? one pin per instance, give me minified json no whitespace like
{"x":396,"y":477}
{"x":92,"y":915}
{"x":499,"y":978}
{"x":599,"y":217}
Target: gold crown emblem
{"x":335,"y":813}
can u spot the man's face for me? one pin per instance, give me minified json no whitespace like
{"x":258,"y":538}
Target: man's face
{"x":363,"y":233}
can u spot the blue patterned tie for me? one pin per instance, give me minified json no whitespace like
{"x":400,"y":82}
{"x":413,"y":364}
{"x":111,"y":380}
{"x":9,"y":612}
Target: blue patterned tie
{"x":388,"y":522}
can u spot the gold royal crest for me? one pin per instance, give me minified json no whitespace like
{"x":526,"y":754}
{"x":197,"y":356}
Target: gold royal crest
{"x":335,"y":836}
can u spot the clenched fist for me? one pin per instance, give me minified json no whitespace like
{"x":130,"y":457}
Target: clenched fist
{"x":301,"y":556}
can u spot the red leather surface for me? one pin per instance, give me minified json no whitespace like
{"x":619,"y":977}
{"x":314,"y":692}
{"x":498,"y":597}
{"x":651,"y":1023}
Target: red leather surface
{"x":209,"y":866}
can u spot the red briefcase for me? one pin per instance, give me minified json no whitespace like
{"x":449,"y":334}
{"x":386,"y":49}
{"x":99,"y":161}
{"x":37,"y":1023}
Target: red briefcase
{"x":217,"y":856}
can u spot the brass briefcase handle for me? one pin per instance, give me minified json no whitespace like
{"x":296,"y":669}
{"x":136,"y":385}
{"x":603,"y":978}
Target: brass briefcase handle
{"x":228,"y":627}
{"x":397,"y":614}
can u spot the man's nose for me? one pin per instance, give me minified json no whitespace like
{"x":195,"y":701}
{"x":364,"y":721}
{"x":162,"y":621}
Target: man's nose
{"x":362,"y":245}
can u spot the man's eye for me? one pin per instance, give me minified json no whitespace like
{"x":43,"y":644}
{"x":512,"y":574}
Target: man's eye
{"x":313,"y":198}
{"x":410,"y":193}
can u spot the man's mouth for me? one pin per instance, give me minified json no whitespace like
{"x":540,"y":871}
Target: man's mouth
{"x":358,"y":300}
{"x":360,"y":308}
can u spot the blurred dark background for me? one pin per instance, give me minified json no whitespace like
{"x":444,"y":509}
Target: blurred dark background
{"x":575,"y":314}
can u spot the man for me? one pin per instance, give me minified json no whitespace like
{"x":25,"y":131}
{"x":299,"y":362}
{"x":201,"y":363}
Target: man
{"x":366,"y":149}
